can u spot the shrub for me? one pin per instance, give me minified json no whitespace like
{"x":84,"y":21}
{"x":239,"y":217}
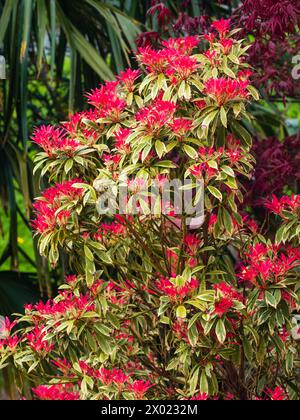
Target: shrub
{"x":272,"y":26}
{"x":154,"y":307}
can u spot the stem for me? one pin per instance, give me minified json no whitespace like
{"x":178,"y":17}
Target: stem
{"x":146,"y":249}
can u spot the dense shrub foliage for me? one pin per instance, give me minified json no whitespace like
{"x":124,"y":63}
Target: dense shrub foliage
{"x":272,"y":26}
{"x":276,"y":168}
{"x":151,"y":308}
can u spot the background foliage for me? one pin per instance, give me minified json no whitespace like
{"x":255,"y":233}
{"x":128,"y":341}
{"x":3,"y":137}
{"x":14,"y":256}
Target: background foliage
{"x":57,"y":50}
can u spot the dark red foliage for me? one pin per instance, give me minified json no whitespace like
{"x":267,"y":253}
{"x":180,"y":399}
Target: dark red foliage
{"x":273,"y":60}
{"x":187,"y":25}
{"x":272,"y":17}
{"x":163,"y":13}
{"x":277,"y":167}
{"x":148,"y":39}
{"x":274,"y":24}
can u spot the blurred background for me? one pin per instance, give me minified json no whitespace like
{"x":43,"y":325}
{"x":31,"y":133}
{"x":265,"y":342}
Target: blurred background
{"x":56,"y":50}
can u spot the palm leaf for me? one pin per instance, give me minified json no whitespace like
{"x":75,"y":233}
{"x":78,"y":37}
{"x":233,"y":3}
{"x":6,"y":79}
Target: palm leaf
{"x":74,"y":39}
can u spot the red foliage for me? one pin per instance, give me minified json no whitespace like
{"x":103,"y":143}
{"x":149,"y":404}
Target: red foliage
{"x":277,"y":166}
{"x":56,"y":393}
{"x":273,"y":23}
{"x":224,"y":90}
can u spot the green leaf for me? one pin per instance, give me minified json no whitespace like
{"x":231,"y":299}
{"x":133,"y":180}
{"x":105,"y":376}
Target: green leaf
{"x":89,"y":272}
{"x":247,"y":349}
{"x":197,"y":304}
{"x":215,"y":192}
{"x":207,"y":296}
{"x":229,"y":171}
{"x":160,"y":148}
{"x":234,"y":59}
{"x":73,"y":78}
{"x":237,"y":109}
{"x":190,"y":151}
{"x":254,"y":92}
{"x":172,"y":365}
{"x":68,"y":165}
{"x":210,"y":117}
{"x":241,"y":133}
{"x":104,"y":344}
{"x":228,"y":72}
{"x":221,"y":331}
{"x":271,"y":300}
{"x":213,"y":164}
{"x":166,"y":164}
{"x":53,"y":35}
{"x":146,"y":151}
{"x":88,"y":253}
{"x":227,"y":221}
{"x":103,"y":329}
{"x":165,"y":320}
{"x":261,"y":353}
{"x":181,"y":90}
{"x":203,"y":383}
{"x":223,"y":116}
{"x":5,"y":17}
{"x":279,"y":234}
{"x":42,"y":23}
{"x":84,"y":48}
{"x":181,"y":312}
{"x":194,"y":380}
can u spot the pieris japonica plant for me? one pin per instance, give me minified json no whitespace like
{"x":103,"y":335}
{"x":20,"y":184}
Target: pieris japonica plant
{"x":153,"y":306}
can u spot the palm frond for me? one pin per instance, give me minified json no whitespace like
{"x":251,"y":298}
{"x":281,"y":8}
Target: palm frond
{"x":61,"y":47}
